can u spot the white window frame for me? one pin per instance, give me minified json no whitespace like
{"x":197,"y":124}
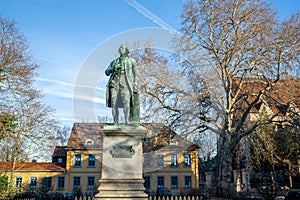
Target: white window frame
{"x":173,"y":160}
{"x":89,"y":157}
{"x":189,"y":158}
{"x":77,"y":160}
{"x":18,"y":183}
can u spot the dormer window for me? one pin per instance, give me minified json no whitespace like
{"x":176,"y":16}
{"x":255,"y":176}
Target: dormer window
{"x":89,"y":142}
{"x":173,"y":142}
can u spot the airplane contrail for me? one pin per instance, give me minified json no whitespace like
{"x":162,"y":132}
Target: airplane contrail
{"x":150,"y":15}
{"x":47,"y":60}
{"x":67,"y":84}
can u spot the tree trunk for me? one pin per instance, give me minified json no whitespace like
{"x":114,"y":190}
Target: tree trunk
{"x":11,"y":180}
{"x":225,"y":165}
{"x":290,"y":176}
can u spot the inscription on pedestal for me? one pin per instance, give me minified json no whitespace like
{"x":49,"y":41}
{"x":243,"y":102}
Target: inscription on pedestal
{"x":122,"y":164}
{"x":122,"y":151}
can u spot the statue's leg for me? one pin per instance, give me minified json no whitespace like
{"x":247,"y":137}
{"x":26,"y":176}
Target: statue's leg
{"x":135,"y":110}
{"x":127,"y":112}
{"x":114,"y":106}
{"x":115,"y":114}
{"x":125,"y":96}
{"x":126,"y":109}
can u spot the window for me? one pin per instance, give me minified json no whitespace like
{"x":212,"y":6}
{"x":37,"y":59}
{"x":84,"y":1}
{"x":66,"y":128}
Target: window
{"x":147,"y":159}
{"x":160,"y":160}
{"x":46,"y":183}
{"x":173,"y":142}
{"x":76,"y":182}
{"x":160,"y":182}
{"x":174,"y":182}
{"x":89,"y":142}
{"x":19,"y":181}
{"x":77,"y":160}
{"x":187,"y":160}
{"x":147,"y":183}
{"x":174,"y":161}
{"x":33,"y":183}
{"x":60,"y":160}
{"x":61,"y":182}
{"x":187,"y":182}
{"x":91,"y":160}
{"x":90,"y":183}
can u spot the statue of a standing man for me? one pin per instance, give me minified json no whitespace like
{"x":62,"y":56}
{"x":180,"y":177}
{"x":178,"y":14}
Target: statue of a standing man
{"x":122,"y":87}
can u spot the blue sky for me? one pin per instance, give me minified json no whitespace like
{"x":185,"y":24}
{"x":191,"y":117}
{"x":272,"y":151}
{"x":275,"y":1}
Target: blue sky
{"x":73,"y":41}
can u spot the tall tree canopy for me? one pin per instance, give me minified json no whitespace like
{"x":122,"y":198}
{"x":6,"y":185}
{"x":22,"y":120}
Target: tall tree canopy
{"x":33,"y":122}
{"x":230,"y":58}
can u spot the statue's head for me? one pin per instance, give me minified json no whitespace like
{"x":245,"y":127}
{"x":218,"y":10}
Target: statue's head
{"x":123,"y":50}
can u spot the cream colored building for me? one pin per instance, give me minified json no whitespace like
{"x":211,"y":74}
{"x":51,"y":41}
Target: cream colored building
{"x":170,"y":163}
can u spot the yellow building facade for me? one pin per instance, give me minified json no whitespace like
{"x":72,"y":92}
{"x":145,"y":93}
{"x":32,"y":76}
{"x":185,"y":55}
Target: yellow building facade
{"x":177,"y":173}
{"x":170,"y":163}
{"x":31,"y":175}
{"x":172,"y":168}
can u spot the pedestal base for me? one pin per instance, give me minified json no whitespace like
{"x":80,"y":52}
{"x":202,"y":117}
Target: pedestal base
{"x":122,"y":164}
{"x":112,"y":189}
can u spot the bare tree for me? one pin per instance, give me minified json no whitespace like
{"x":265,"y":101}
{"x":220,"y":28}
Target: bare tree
{"x":62,"y":135}
{"x":231,"y":57}
{"x":33,"y":133}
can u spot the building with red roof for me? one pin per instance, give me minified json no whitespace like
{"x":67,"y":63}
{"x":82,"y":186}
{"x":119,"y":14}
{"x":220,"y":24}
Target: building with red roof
{"x":170,"y":162}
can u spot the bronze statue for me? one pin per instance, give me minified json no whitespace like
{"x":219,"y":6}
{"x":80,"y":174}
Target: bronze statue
{"x":122,"y":88}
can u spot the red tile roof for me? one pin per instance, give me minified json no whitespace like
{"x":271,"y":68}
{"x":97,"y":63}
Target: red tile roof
{"x":159,"y":135}
{"x":83,"y":132}
{"x":278,"y":98}
{"x":30,"y":166}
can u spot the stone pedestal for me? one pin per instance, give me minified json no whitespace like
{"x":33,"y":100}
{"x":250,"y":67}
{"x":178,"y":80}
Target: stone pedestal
{"x":122,"y":164}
